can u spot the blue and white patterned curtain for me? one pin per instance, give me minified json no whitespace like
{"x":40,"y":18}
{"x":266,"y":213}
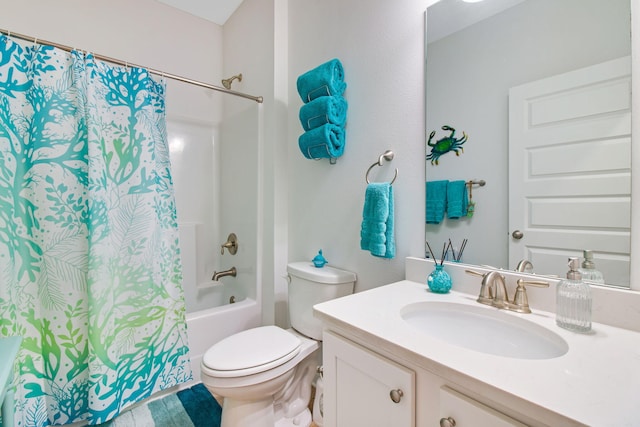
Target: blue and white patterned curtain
{"x":90,"y":271}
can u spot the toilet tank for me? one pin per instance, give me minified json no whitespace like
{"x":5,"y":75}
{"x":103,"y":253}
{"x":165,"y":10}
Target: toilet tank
{"x":308,"y":286}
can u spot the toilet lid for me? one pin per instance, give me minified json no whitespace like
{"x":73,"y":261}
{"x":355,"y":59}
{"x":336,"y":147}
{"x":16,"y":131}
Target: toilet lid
{"x":251,"y":351}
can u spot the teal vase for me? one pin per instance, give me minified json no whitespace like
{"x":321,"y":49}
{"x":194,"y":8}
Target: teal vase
{"x":439,"y":280}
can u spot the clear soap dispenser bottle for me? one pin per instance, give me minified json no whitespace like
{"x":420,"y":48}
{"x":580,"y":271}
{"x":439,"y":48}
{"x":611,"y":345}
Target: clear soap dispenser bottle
{"x":573,"y":300}
{"x":588,"y":269}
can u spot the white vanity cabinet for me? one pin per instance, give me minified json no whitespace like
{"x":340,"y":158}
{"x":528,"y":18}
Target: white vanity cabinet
{"x":363,"y":388}
{"x":372,"y":349}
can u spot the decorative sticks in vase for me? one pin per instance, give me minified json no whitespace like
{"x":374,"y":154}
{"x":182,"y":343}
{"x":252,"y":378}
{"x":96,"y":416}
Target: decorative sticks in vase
{"x":445,"y":251}
{"x":439,"y":280}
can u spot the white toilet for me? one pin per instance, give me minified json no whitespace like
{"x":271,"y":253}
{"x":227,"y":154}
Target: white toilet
{"x":264,"y":374}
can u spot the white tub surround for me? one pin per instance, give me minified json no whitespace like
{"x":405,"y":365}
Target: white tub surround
{"x":596,"y":383}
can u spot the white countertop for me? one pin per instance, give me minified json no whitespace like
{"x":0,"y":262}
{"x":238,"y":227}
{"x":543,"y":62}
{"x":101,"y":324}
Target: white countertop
{"x":596,"y":383}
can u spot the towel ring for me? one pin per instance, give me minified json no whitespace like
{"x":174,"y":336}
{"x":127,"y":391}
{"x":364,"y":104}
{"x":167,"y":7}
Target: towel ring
{"x":388,"y":156}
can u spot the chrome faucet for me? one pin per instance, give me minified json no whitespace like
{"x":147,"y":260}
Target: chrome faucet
{"x":523,"y":265}
{"x":493,"y":291}
{"x":497,"y":290}
{"x":217,"y":275}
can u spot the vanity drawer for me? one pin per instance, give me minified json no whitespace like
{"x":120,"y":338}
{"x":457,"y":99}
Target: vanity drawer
{"x":467,"y":412}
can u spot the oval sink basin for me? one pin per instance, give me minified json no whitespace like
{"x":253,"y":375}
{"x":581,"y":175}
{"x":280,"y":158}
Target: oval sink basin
{"x":484,"y":329}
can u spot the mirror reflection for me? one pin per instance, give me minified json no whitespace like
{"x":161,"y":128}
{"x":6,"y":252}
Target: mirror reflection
{"x":532,"y":97}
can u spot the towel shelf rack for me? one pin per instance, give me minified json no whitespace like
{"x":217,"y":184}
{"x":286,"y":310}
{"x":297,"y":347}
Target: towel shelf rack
{"x":388,"y":156}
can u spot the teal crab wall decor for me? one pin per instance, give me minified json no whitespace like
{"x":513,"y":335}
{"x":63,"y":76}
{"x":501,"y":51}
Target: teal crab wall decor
{"x":446,"y":144}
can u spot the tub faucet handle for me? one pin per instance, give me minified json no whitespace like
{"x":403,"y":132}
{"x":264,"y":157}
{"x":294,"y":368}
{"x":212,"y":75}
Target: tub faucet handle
{"x":231,"y":244}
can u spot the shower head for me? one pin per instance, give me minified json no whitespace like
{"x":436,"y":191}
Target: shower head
{"x":227,"y":82}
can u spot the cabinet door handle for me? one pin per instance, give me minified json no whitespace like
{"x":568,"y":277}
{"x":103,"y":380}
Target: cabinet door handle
{"x":447,"y":422}
{"x":396,"y":395}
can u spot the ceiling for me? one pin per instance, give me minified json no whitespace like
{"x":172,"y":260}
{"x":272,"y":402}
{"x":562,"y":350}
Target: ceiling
{"x":453,"y":15}
{"x":217,"y":11}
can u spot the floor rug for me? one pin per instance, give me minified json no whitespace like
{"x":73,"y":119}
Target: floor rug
{"x":192,"y":407}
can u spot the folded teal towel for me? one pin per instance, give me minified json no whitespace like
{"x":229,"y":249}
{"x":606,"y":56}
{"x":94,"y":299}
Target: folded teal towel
{"x":325,"y":80}
{"x":377,"y":234}
{"x":436,"y":200}
{"x":457,"y":199}
{"x":324,"y":142}
{"x":326,"y":109}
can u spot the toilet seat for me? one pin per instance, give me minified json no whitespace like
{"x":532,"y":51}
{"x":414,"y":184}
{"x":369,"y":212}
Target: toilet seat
{"x":250,"y":352}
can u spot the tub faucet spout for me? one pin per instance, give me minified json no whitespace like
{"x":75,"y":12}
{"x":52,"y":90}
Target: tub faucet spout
{"x":217,"y":275}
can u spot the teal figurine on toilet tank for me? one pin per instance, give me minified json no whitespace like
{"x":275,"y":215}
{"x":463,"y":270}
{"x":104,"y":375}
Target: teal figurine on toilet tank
{"x":319,"y":261}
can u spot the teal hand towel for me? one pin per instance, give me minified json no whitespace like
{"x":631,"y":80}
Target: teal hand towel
{"x":326,"y":109}
{"x":324,"y":142}
{"x":436,"y":201}
{"x":325,"y":80}
{"x":457,"y":199}
{"x":377,"y":232}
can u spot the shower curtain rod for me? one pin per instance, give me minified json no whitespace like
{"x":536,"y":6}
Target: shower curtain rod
{"x":258,"y":99}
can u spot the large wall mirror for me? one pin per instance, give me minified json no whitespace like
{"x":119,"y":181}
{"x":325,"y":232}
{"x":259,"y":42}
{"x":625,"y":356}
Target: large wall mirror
{"x":517,"y":80}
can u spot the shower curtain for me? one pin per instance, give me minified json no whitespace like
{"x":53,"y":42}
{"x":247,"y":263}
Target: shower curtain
{"x":90,"y":272}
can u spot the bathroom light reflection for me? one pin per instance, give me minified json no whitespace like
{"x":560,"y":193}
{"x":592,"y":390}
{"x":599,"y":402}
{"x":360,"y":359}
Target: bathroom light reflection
{"x":176,"y":145}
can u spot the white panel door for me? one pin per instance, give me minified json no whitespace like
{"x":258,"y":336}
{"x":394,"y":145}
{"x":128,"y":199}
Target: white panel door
{"x":362,"y":388}
{"x":570,"y":169}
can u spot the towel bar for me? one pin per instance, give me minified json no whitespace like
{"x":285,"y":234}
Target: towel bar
{"x":388,"y":156}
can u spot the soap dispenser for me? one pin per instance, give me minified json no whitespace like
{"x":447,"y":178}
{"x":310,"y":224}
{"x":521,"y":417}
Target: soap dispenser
{"x":588,"y":269}
{"x":573,"y":300}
